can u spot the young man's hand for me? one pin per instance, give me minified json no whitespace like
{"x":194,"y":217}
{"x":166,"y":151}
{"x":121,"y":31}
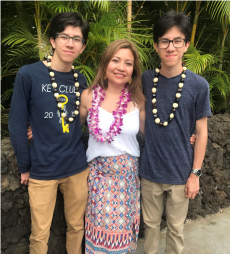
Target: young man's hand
{"x":192,"y":186}
{"x":25,"y":178}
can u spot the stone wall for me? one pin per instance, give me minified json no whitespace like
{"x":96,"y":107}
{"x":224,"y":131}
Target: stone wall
{"x":214,"y":192}
{"x":215,"y":182}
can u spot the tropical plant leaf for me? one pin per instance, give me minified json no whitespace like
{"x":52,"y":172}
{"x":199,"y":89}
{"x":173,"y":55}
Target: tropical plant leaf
{"x":197,"y":62}
{"x":7,"y":94}
{"x":102,"y":4}
{"x":20,"y":37}
{"x":220,"y":10}
{"x":87,"y":72}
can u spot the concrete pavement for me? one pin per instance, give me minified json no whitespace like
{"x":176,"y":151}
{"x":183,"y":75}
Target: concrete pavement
{"x":209,"y":235}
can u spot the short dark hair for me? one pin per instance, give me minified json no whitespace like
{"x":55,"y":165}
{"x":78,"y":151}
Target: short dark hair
{"x":60,"y":21}
{"x":170,"y":19}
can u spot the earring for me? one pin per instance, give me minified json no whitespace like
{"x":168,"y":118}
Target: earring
{"x":130,"y":81}
{"x":105,"y":77}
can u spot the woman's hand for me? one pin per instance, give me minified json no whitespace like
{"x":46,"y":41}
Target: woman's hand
{"x":29,"y":133}
{"x":193,"y":139}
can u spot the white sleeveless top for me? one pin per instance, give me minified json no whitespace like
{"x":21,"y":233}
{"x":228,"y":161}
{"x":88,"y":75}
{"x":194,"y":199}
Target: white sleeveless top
{"x":123,"y":143}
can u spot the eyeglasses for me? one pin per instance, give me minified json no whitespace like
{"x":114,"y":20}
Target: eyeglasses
{"x":177,"y":43}
{"x":65,"y":38}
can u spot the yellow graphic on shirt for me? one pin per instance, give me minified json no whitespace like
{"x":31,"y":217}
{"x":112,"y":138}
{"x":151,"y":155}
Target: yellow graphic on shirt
{"x":65,"y":127}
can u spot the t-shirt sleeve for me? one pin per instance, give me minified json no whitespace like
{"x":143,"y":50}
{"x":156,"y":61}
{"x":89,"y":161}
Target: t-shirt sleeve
{"x":18,"y":121}
{"x":202,"y":105}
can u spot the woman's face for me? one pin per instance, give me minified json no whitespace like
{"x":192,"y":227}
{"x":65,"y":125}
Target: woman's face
{"x":120,"y":68}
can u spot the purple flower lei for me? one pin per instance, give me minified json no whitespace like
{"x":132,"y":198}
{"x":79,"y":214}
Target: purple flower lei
{"x":115,"y":127}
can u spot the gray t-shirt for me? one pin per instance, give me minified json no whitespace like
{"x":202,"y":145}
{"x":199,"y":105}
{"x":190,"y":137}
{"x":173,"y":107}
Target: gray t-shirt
{"x":167,"y":155}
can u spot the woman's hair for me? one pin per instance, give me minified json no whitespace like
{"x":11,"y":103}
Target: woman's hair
{"x":135,"y":88}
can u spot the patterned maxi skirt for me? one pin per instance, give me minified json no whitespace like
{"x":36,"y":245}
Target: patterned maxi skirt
{"x":113,"y":207}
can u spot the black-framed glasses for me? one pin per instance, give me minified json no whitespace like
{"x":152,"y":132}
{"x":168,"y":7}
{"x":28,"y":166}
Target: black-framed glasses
{"x":177,"y":43}
{"x":66,"y":38}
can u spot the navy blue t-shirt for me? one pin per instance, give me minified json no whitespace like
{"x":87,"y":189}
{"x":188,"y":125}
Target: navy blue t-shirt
{"x":167,"y":155}
{"x":56,"y":150}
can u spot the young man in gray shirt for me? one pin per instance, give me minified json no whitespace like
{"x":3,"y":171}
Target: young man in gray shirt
{"x":177,"y":103}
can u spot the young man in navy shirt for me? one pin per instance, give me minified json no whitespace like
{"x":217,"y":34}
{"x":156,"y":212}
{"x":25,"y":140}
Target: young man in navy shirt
{"x":177,"y":103}
{"x":47,"y":95}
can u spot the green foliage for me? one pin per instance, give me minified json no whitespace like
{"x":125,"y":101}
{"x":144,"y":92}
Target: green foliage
{"x":220,"y":10}
{"x":206,"y":65}
{"x":25,"y":26}
{"x":197,"y":62}
{"x":219,"y":88}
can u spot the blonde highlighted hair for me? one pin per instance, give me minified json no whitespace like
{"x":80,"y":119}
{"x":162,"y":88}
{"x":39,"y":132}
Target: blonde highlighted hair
{"x":135,"y":88}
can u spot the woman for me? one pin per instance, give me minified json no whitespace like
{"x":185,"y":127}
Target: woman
{"x":114,"y":108}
